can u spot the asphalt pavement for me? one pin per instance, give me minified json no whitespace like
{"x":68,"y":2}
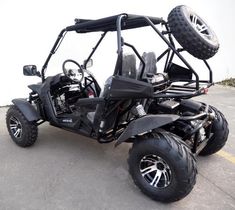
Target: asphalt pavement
{"x":67,"y":171}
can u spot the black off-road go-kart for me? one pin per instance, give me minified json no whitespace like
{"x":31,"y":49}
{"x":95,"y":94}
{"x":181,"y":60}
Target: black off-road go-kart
{"x":151,"y":110}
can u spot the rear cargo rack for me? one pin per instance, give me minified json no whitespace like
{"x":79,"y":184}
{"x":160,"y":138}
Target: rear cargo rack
{"x":185,"y":90}
{"x":181,"y":83}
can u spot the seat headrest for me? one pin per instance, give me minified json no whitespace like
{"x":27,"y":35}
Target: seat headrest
{"x":150,"y":64}
{"x":129,"y":66}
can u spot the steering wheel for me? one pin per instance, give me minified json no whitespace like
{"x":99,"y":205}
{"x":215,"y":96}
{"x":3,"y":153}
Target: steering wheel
{"x":74,"y":71}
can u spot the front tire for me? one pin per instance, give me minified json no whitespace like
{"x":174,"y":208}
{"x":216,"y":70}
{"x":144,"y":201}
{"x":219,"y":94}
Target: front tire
{"x":162,"y":167}
{"x":22,"y":132}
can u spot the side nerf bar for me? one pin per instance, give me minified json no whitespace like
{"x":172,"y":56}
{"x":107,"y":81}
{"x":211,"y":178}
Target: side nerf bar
{"x":144,"y":124}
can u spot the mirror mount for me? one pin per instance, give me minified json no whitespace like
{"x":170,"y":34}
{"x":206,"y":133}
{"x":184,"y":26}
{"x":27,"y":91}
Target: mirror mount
{"x":88,"y":63}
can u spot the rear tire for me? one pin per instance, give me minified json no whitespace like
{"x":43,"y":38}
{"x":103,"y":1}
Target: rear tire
{"x":220,"y":136}
{"x":162,"y":167}
{"x":22,"y":132}
{"x":193,"y":33}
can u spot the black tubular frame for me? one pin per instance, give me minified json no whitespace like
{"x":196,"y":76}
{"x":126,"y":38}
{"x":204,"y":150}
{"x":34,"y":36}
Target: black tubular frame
{"x":119,"y":23}
{"x":94,"y":49}
{"x":55,"y":46}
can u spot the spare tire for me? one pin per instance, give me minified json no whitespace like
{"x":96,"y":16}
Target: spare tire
{"x":192,"y":33}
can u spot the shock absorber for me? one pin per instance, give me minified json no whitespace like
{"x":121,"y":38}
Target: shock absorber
{"x":140,"y":110}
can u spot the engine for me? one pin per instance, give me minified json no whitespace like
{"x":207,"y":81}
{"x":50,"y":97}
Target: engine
{"x":65,"y":98}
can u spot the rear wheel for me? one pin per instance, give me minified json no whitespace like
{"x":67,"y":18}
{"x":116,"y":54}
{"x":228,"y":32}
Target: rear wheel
{"x":162,"y":167}
{"x":220,"y":133}
{"x":22,"y":132}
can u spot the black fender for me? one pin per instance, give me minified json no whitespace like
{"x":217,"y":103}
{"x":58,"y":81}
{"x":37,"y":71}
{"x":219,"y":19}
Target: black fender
{"x":144,"y":124}
{"x":27,"y":109}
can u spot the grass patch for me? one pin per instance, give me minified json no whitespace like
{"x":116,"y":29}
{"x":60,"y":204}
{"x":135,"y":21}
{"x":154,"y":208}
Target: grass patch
{"x":228,"y":82}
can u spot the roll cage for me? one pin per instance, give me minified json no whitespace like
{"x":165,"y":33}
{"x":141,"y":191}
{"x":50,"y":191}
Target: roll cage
{"x":125,"y":21}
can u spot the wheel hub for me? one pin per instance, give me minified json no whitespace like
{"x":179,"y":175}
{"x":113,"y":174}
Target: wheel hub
{"x":160,"y":166}
{"x":155,"y":171}
{"x":200,"y":26}
{"x":15,"y":127}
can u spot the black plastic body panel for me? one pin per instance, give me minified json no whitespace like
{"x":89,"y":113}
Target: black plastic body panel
{"x":144,"y":124}
{"x":127,"y":88}
{"x":176,"y":72}
{"x":190,"y":105}
{"x":36,"y":88}
{"x":27,"y":109}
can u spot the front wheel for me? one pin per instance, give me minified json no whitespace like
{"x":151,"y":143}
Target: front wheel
{"x":162,"y":167}
{"x":22,"y":132}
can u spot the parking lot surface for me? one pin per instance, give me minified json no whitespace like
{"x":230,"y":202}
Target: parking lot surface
{"x":66,"y":171}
